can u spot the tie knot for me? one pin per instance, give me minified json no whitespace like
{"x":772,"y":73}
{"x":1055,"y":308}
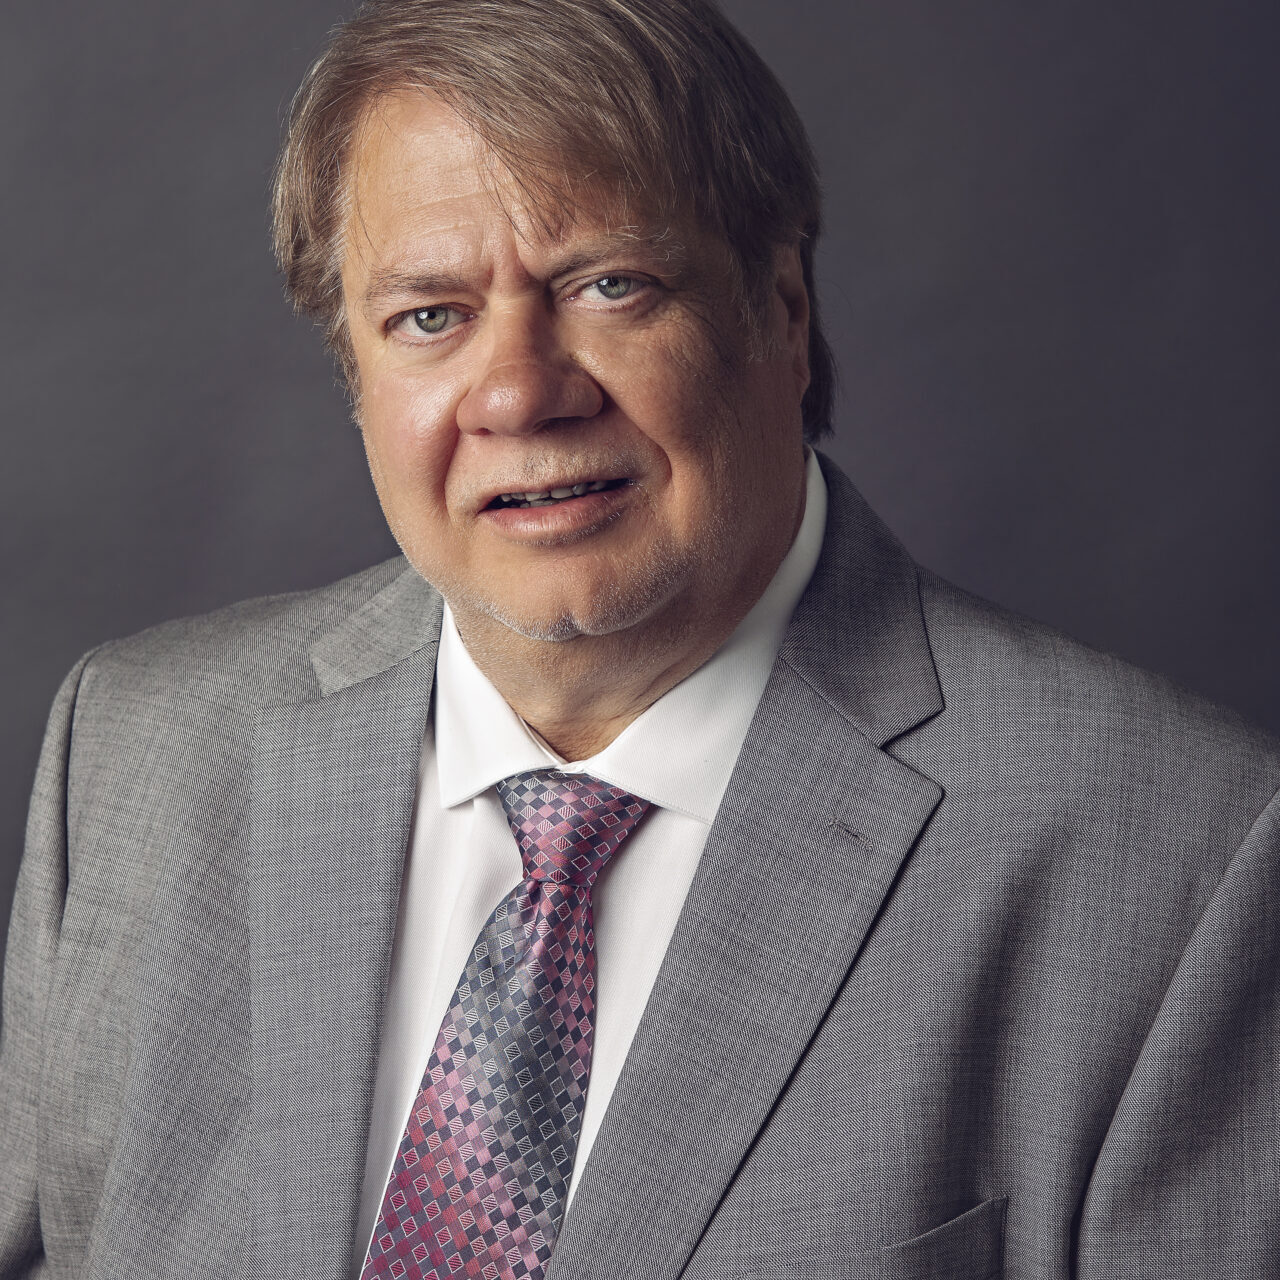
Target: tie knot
{"x":567,"y":824}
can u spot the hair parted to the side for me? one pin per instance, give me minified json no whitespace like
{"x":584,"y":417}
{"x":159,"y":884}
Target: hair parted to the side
{"x":661,"y":104}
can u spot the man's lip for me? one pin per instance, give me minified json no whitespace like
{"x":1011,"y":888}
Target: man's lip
{"x":491,"y":503}
{"x":558,"y":523}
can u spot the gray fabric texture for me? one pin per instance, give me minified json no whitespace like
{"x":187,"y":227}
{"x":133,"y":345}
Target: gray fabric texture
{"x":976,"y":977}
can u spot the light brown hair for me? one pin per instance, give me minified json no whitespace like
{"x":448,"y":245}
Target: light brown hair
{"x":661,"y":104}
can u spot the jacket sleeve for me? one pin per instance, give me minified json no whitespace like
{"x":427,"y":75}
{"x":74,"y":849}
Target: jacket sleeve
{"x":1187,"y":1181}
{"x":31,"y":955}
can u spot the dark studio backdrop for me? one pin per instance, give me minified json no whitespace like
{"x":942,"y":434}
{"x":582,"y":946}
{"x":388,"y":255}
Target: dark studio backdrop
{"x":1050,"y":275}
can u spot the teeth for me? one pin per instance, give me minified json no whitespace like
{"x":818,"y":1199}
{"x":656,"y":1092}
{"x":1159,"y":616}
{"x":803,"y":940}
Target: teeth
{"x":546,"y":497}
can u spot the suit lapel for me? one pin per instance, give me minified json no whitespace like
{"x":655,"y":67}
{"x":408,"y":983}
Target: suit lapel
{"x":334,"y":785}
{"x":808,"y":842}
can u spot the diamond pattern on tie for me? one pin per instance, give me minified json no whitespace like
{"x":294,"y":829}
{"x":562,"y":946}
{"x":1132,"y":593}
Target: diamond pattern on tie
{"x":478,"y":1184}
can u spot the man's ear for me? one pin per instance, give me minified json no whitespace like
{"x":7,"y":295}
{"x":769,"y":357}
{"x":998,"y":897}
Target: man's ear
{"x":790,"y":290}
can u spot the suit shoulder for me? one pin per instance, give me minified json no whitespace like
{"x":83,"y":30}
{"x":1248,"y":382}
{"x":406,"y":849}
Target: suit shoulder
{"x":251,"y":651}
{"x":1113,"y":717}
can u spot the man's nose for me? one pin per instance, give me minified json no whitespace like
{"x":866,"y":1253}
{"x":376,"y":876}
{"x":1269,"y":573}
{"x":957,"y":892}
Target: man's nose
{"x":528,"y":380}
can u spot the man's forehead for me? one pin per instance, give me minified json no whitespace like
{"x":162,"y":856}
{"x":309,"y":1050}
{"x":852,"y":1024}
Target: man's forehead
{"x":417,"y":164}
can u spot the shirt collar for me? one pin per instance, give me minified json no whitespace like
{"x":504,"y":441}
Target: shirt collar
{"x":479,"y":739}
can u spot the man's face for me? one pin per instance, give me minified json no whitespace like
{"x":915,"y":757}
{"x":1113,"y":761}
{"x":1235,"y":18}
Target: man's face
{"x":604,"y":368}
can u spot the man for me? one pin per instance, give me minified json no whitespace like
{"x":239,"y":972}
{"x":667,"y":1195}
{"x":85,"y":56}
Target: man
{"x":894,"y":936}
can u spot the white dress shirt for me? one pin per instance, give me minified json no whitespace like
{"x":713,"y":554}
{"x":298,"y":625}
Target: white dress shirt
{"x":463,"y":860}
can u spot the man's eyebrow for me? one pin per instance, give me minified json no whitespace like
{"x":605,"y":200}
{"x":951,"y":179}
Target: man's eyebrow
{"x":391,"y":283}
{"x":657,"y":246}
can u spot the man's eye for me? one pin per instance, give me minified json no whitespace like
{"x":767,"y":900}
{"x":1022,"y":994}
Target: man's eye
{"x":615,"y":287}
{"x":431,"y":320}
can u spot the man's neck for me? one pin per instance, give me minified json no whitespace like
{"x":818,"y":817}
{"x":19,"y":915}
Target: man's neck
{"x":580,"y":694}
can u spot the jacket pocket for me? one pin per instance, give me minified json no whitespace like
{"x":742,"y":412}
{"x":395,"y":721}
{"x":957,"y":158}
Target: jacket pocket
{"x":970,"y":1247}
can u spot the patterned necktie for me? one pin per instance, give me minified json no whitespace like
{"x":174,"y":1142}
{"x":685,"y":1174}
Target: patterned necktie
{"x":478,"y":1185}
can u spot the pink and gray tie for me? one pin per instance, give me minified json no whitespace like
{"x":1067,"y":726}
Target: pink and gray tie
{"x":478,"y":1185}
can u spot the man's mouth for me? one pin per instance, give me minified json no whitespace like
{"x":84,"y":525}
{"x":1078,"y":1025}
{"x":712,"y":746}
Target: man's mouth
{"x":549,"y":497}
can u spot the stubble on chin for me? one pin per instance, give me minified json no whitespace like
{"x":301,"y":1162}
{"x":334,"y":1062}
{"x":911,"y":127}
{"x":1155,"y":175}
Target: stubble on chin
{"x":616,"y":607}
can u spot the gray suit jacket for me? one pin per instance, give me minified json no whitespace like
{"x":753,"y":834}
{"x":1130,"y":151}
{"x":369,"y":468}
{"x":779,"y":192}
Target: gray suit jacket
{"x":977,"y":976}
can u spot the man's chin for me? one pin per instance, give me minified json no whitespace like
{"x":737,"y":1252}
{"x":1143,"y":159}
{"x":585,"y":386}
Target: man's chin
{"x":557,"y":628}
{"x":607,"y":614}
{"x":553,"y":630}
{"x":583,"y":605}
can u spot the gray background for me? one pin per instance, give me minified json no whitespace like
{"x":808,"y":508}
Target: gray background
{"x":1050,"y":274}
